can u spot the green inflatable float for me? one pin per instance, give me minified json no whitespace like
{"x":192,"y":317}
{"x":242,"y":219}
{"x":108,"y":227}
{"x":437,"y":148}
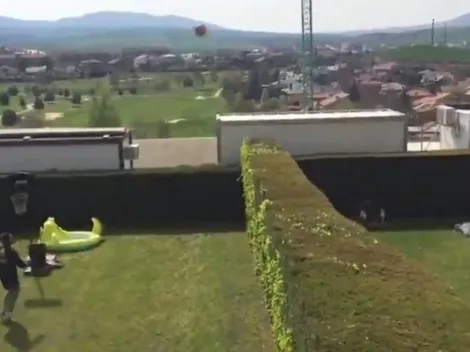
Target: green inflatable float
{"x":57,"y":239}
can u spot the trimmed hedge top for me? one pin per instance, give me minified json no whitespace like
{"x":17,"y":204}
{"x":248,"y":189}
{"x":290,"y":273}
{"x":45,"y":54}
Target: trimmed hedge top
{"x":352,"y":293}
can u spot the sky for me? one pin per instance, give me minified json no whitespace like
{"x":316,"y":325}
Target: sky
{"x":262,"y":15}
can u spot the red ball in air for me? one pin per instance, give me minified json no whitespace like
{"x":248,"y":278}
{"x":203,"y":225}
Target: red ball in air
{"x":200,"y":31}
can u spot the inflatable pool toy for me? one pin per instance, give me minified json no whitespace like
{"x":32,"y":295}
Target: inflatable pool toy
{"x":57,"y":239}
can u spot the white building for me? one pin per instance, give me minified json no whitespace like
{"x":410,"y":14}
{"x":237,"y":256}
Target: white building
{"x":454,"y":125}
{"x":317,"y":133}
{"x":66,"y":149}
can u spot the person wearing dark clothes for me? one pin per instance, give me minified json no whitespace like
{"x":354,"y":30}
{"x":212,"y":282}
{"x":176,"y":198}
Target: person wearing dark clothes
{"x":9,"y":262}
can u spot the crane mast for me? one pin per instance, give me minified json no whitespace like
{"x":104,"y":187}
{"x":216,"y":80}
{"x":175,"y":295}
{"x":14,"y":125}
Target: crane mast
{"x":307,"y":55}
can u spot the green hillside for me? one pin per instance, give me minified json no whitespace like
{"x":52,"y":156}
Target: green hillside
{"x":427,"y":53}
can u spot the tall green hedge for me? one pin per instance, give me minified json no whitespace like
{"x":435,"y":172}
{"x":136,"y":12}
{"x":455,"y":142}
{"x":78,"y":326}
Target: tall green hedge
{"x":329,"y":285}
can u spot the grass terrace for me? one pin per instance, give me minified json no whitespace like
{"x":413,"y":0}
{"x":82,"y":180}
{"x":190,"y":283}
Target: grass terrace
{"x":146,"y":293}
{"x":332,"y":286}
{"x":445,"y":252}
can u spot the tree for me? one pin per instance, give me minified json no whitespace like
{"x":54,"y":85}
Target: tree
{"x":214,"y":76}
{"x":162,"y":86}
{"x":43,"y":78}
{"x":49,"y":96}
{"x":38,"y":104}
{"x":254,"y":88}
{"x":354,"y":94}
{"x":188,"y":82}
{"x":243,"y":105}
{"x":76,"y":98}
{"x":264,"y":95}
{"x":459,"y":92}
{"x":405,"y":99}
{"x":4,"y":99}
{"x":232,"y":83}
{"x":198,"y":78}
{"x":13,"y":91}
{"x":230,"y":98}
{"x":66,"y":92}
{"x":271,"y":104}
{"x":134,"y":79}
{"x":46,"y":61}
{"x":179,"y":78}
{"x":23,"y":102}
{"x":36,"y":91}
{"x":21,"y":64}
{"x":263,"y":74}
{"x":432,"y":89}
{"x":113,"y":78}
{"x":9,"y":118}
{"x":275,"y":75}
{"x":103,"y":113}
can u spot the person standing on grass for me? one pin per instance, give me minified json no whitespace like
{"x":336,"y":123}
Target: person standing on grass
{"x":9,"y":262}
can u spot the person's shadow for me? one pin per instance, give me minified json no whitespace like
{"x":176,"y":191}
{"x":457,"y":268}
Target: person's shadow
{"x":18,"y":337}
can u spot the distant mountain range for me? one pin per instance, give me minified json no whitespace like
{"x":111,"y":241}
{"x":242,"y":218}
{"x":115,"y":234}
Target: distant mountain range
{"x":104,"y":20}
{"x":113,"y":30}
{"x":457,"y":22}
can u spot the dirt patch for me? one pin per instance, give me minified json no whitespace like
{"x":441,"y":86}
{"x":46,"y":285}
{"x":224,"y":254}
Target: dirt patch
{"x":51,"y":116}
{"x":175,"y":121}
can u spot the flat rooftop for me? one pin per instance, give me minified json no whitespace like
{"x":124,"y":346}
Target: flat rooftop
{"x":59,"y":130}
{"x":296,"y":116}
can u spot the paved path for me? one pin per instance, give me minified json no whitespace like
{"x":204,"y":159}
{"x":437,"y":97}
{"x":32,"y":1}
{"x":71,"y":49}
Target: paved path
{"x":176,"y":151}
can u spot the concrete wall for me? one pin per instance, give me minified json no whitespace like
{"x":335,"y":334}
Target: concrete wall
{"x":302,"y":138}
{"x":38,"y":158}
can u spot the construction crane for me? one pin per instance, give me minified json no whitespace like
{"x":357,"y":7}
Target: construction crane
{"x":307,"y":55}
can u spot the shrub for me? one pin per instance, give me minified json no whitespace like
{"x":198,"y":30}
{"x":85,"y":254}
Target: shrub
{"x":329,"y":285}
{"x":60,"y":92}
{"x":239,"y":104}
{"x":92,"y":91}
{"x":120,"y":92}
{"x":162,"y":86}
{"x":103,"y":113}
{"x":214,"y":76}
{"x":27,"y":89}
{"x":188,"y":82}
{"x":76,"y":98}
{"x":49,"y":96}
{"x":271,"y":104}
{"x":66,"y":92}
{"x":23,"y":102}
{"x":13,"y":91}
{"x":198,"y":78}
{"x":4,"y":99}
{"x":38,"y":104}
{"x":9,"y":118}
{"x":36,"y":91}
{"x":133,"y":90}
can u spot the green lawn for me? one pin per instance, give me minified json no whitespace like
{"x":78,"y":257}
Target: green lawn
{"x":82,"y":84}
{"x":147,"y":293}
{"x":191,"y":117}
{"x":427,"y":53}
{"x":191,"y":111}
{"x":446,"y":253}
